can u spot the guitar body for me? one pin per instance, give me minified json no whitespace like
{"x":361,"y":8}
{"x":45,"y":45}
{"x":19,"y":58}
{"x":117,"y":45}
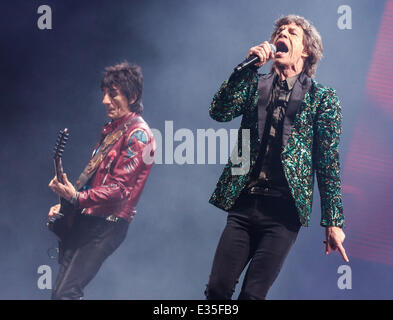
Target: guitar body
{"x":62,"y":224}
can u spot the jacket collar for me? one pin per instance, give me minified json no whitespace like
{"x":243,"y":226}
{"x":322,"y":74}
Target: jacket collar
{"x":301,"y":86}
{"x":114,"y":124}
{"x":265,"y":85}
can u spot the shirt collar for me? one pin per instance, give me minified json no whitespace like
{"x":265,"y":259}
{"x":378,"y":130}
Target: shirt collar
{"x":114,"y":124}
{"x":290,"y":81}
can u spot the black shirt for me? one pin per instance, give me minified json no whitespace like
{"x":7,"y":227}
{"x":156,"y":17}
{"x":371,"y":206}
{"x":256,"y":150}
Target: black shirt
{"x":269,"y":174}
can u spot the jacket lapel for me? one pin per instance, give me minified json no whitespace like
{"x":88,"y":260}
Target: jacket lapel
{"x":265,"y":84}
{"x":301,"y":86}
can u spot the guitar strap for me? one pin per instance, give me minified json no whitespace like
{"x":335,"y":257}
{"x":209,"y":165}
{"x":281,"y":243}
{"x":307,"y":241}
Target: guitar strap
{"x":105,"y":147}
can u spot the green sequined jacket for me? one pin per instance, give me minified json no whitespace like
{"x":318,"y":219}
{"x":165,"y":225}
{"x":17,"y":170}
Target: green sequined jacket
{"x":311,"y":135}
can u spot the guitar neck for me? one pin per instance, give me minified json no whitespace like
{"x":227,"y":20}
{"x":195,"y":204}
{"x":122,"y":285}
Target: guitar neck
{"x":59,"y":169}
{"x":58,"y":152}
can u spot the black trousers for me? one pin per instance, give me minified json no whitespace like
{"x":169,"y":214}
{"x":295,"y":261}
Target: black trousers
{"x":259,"y":231}
{"x":92,"y":240}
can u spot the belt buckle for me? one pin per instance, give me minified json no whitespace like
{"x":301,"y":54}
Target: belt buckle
{"x":112,"y":218}
{"x":259,"y":190}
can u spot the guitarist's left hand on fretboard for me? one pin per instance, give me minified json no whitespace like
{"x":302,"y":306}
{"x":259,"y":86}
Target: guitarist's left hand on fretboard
{"x":64,"y":190}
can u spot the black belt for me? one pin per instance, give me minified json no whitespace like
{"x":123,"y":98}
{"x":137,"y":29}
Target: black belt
{"x":264,"y":191}
{"x":268,"y":191}
{"x":111,"y":218}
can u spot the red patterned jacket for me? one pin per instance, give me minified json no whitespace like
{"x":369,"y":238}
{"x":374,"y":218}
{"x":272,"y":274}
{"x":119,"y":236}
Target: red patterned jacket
{"x":118,"y":182}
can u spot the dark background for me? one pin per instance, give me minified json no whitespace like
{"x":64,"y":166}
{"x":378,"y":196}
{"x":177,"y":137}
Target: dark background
{"x":49,"y":79}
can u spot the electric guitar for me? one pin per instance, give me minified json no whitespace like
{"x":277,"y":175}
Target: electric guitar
{"x":61,"y":224}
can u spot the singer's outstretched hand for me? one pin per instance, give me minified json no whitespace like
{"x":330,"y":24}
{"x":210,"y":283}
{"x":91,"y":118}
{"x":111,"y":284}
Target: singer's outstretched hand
{"x":263,"y":51}
{"x":334,"y":241}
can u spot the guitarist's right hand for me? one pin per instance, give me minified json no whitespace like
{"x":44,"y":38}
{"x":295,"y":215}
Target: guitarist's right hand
{"x":54,"y":211}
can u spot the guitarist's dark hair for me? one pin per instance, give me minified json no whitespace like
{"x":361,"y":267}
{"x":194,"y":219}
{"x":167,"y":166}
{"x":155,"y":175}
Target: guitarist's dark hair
{"x":129,"y":79}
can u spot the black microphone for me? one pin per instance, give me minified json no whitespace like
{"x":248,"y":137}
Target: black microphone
{"x":250,"y":61}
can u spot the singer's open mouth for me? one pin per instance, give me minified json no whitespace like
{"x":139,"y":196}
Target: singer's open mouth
{"x":281,"y":47}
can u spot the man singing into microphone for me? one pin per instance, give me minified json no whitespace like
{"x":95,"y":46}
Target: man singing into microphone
{"x":113,"y":183}
{"x":295,"y":125}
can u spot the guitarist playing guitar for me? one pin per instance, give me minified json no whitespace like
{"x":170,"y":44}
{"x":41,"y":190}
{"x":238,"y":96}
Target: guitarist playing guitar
{"x":99,"y":208}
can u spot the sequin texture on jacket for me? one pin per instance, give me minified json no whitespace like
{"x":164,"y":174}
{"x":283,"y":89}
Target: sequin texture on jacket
{"x":311,"y":147}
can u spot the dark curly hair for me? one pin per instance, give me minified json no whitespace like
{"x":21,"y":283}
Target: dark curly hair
{"x":128,"y":79}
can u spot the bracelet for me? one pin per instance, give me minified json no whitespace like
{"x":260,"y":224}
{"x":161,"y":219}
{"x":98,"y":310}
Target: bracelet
{"x":74,"y":199}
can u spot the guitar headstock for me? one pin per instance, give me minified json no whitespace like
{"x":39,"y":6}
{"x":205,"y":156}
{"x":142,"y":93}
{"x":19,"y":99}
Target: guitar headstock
{"x":60,"y":143}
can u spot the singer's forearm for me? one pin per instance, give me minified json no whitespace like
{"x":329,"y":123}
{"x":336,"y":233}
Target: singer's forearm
{"x":234,"y":96}
{"x":328,"y":130}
